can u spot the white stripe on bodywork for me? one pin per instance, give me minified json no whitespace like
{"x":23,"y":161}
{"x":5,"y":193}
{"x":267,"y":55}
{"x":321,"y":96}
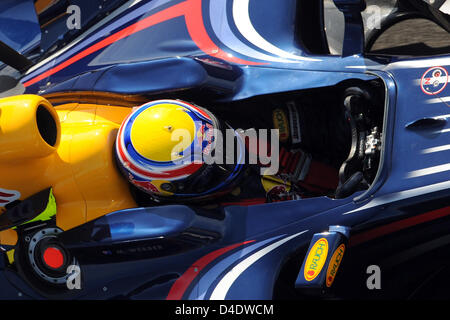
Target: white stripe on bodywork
{"x":441,"y":131}
{"x":401,"y":195}
{"x":222,"y":29}
{"x":227,"y":281}
{"x":436,"y":149}
{"x":438,"y":100}
{"x":428,"y":171}
{"x":241,"y":17}
{"x":419,"y":64}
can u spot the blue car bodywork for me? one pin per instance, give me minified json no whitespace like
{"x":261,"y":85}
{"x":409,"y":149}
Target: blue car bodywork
{"x":231,"y":51}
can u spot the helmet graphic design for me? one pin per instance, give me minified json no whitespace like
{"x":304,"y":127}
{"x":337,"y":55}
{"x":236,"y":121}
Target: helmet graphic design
{"x":162,"y":146}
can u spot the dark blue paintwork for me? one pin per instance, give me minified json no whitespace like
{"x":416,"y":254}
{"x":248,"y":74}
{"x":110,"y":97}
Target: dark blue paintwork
{"x":164,"y":58}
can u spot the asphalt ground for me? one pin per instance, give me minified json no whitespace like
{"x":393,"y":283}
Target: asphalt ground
{"x":413,"y":31}
{"x":405,"y":33}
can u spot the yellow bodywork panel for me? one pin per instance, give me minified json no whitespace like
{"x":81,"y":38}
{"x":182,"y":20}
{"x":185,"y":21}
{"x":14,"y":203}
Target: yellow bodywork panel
{"x":8,"y":237}
{"x":81,"y":171}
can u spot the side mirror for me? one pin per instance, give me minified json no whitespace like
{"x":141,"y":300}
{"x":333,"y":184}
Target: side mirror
{"x":354,"y":25}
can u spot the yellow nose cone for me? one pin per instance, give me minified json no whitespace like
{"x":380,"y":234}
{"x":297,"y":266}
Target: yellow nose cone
{"x":161,"y":132}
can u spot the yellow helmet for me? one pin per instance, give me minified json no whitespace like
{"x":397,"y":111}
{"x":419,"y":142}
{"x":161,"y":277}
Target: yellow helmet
{"x":161,"y":148}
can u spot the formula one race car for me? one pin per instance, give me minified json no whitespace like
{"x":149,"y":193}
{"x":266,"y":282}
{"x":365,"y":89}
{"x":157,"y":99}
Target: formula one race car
{"x":99,"y":201}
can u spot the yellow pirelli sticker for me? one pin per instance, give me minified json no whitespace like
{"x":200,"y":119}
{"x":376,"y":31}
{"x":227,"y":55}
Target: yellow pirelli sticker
{"x":281,"y":123}
{"x":316,"y":259}
{"x":335,"y":262}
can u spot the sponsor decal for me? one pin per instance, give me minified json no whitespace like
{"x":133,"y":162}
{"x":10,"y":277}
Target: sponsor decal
{"x":8,"y":196}
{"x":162,"y":187}
{"x":146,"y":185}
{"x":434,"y":80}
{"x":270,"y":183}
{"x":316,"y":259}
{"x":335,"y":262}
{"x":281,"y":123}
{"x":294,"y":119}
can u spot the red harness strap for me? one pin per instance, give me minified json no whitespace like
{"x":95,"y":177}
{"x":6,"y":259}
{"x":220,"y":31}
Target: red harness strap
{"x":301,"y":169}
{"x":307,"y":172}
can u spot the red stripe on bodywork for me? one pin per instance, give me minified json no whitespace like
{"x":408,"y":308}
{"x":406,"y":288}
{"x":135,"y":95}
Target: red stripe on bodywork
{"x":399,"y":225}
{"x":183,"y":282}
{"x":191,"y":9}
{"x":6,"y":195}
